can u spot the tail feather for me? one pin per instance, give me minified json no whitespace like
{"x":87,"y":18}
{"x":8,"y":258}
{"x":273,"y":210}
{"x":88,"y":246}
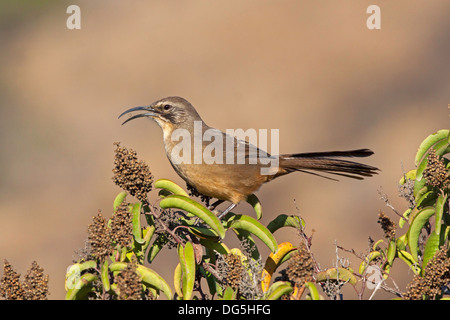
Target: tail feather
{"x":347,"y":154}
{"x":328,"y":162}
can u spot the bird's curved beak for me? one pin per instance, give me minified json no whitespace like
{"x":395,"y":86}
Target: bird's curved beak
{"x":150,"y":112}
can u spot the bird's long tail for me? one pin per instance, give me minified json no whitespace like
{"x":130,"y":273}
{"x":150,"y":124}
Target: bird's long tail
{"x":328,"y":162}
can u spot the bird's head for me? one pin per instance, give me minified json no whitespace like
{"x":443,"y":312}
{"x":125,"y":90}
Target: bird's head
{"x":167,"y":112}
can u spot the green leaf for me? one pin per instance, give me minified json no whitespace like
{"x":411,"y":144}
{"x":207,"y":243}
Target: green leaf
{"x":170,"y":186}
{"x":340,"y":274}
{"x":82,"y":287}
{"x":148,"y":277}
{"x":430,"y":250}
{"x":419,"y":188}
{"x":278,"y":289}
{"x":284,"y":220}
{"x":104,"y":273}
{"x":442,"y":147}
{"x":147,"y":233}
{"x":419,"y":221}
{"x":253,"y":226}
{"x":371,"y":256}
{"x":420,"y":194}
{"x":401,"y":223}
{"x":402,"y":242}
{"x":229,"y":294}
{"x":256,"y":204}
{"x":405,"y":217}
{"x":377,"y":244}
{"x":90,"y":264}
{"x":429,"y":142}
{"x":410,"y":175}
{"x":407,"y":257}
{"x":187,"y":263}
{"x":204,"y":233}
{"x":392,"y":251}
{"x":164,"y":193}
{"x":153,"y":279}
{"x":136,"y":221}
{"x":313,"y":292}
{"x":220,"y":247}
{"x":156,"y":247}
{"x":440,"y":203}
{"x":119,"y":199}
{"x":189,"y":205}
{"x":427,"y":199}
{"x":123,"y":253}
{"x":74,"y":272}
{"x":177,"y":280}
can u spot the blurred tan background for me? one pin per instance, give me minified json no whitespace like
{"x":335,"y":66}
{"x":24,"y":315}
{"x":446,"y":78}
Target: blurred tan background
{"x":309,"y":68}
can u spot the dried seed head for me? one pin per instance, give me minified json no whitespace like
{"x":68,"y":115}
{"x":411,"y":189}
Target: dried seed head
{"x":99,"y":241}
{"x":131,"y":174}
{"x":10,"y":286}
{"x":128,"y":282}
{"x":387,"y":225}
{"x":33,"y":287}
{"x":300,"y":268}
{"x":231,"y":271}
{"x":35,"y":283}
{"x":121,"y":232}
{"x":436,"y":277}
{"x":435,"y":173}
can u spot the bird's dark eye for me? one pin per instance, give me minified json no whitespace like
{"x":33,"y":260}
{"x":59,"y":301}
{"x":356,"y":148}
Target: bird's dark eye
{"x":167,"y":107}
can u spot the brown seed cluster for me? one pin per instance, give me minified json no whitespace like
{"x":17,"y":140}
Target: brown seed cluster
{"x":131,"y":174}
{"x":99,"y":241}
{"x":300,"y":268}
{"x":35,"y":283}
{"x":436,"y":277}
{"x":122,"y":226}
{"x":232,"y":271}
{"x":10,"y":285}
{"x":102,"y":239}
{"x":387,"y":225}
{"x":435,"y":173}
{"x":33,"y":287}
{"x":128,"y":282}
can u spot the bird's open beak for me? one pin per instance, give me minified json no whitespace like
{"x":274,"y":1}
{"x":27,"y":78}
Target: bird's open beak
{"x":150,"y":112}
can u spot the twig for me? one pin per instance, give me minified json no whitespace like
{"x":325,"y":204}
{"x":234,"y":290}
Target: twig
{"x":307,"y":240}
{"x":352,"y":251}
{"x":213,"y":271}
{"x":384,"y":197}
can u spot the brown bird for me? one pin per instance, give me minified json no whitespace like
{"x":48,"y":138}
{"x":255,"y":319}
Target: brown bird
{"x":230,"y":169}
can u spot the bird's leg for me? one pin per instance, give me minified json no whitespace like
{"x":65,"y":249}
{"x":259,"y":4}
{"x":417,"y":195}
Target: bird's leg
{"x":215,"y":204}
{"x":231,"y":207}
